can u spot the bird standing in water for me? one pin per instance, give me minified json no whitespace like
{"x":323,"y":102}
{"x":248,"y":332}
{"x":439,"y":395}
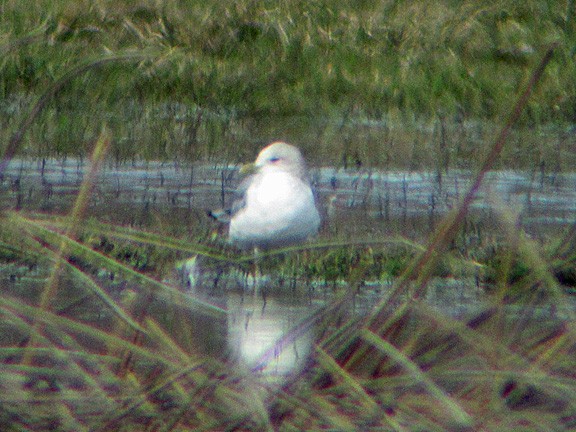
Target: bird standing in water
{"x":276,"y":206}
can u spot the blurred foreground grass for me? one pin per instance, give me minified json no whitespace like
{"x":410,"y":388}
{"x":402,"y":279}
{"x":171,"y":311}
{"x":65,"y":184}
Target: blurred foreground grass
{"x":96,"y":336}
{"x":101,"y":341}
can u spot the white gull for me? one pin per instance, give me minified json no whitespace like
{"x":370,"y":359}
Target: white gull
{"x":276,"y":206}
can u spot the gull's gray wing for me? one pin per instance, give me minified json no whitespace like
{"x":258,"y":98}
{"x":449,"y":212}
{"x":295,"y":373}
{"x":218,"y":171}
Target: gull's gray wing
{"x":224,"y":215}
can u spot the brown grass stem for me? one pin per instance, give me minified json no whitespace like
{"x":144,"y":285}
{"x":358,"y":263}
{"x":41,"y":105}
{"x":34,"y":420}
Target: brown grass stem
{"x":446,"y":232}
{"x":98,"y":155}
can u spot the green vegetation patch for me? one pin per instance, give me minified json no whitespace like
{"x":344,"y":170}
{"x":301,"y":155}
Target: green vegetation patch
{"x":190,"y":78}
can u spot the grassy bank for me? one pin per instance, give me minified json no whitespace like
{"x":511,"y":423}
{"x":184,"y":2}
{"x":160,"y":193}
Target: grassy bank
{"x":345,"y":80}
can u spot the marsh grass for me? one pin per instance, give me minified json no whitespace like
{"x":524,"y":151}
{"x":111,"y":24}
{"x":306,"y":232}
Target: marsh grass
{"x":217,"y":80}
{"x":101,"y":346}
{"x":128,"y":356}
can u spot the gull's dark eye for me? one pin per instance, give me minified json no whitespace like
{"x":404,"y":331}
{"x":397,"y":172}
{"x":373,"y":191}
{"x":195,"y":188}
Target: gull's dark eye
{"x":274,"y":159}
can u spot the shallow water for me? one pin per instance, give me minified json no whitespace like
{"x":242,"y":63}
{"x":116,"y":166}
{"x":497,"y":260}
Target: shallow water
{"x":541,"y":202}
{"x":355,"y":204}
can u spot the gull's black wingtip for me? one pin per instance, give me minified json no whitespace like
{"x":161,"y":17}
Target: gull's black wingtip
{"x":220,"y":215}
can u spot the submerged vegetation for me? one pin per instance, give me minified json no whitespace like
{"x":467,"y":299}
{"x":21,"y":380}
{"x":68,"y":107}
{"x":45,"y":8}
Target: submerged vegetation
{"x":95,"y":332}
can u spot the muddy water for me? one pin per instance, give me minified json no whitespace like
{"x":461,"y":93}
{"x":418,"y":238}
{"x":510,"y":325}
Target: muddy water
{"x":355,"y":203}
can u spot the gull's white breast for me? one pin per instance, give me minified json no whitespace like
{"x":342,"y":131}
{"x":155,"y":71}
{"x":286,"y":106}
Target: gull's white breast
{"x":279,"y":210}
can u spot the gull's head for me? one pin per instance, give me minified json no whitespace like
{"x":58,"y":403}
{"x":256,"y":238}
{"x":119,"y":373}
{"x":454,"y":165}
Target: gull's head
{"x":281,"y":156}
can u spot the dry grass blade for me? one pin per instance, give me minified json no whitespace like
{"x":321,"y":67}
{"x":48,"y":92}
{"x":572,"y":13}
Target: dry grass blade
{"x":451,"y":406}
{"x":79,"y":207}
{"x":138,"y":236}
{"x":327,"y":363}
{"x":447,"y":230}
{"x":100,"y":293}
{"x":109,"y":422}
{"x":75,"y":327}
{"x":171,"y":293}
